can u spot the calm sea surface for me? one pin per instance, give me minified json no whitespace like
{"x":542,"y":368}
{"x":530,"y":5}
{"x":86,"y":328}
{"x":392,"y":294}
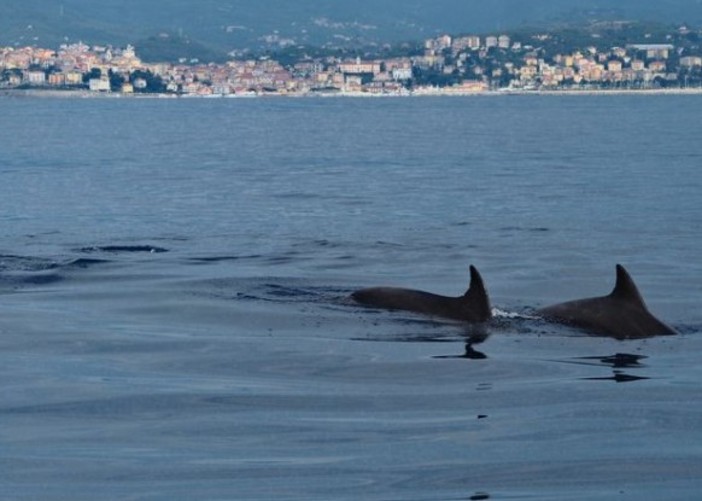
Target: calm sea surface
{"x":173,"y":275}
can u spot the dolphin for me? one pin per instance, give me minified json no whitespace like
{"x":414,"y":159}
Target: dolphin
{"x":473,"y":306}
{"x":622,"y":314}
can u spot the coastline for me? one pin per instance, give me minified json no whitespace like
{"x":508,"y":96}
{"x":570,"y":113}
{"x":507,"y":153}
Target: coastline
{"x":599,"y":92}
{"x":438,"y":92}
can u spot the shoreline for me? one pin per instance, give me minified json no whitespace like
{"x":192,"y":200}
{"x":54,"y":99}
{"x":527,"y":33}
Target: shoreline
{"x":444,"y":92}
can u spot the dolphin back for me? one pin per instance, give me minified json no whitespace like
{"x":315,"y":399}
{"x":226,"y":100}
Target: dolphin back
{"x":622,"y":314}
{"x":473,"y":306}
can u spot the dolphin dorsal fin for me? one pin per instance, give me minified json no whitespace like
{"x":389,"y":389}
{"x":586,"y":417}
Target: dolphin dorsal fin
{"x":625,"y":288}
{"x":477,"y":295}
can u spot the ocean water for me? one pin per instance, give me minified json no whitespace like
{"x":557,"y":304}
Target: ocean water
{"x":174,"y":275}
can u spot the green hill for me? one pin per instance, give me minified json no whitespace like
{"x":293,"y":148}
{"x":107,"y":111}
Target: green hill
{"x":209,"y":29}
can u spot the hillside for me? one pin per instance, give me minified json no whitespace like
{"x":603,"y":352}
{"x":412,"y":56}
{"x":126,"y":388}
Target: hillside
{"x":209,"y":29}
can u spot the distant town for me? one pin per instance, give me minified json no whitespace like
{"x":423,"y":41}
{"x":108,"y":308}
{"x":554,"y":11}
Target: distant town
{"x":445,"y":64}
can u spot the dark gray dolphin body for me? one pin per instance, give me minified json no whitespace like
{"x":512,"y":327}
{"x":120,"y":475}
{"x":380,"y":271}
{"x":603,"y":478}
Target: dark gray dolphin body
{"x":473,"y":306}
{"x":622,"y":314}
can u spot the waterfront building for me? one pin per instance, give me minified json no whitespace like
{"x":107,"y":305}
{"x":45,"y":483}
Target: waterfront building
{"x":35,"y":77}
{"x":56,"y":79}
{"x":101,"y":84}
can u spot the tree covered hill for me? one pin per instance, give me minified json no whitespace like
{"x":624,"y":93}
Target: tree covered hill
{"x":210,"y":29}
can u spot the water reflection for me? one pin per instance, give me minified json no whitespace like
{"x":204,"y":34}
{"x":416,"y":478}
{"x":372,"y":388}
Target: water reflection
{"x":479,"y":496}
{"x":475,"y":334}
{"x":617,"y":377}
{"x":470,"y":353}
{"x":618,"y":362}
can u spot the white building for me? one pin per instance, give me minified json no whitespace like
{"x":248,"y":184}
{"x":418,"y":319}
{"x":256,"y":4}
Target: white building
{"x":101,"y":84}
{"x":35,"y":77}
{"x":402,"y":73}
{"x":690,"y":61}
{"x":653,"y":51}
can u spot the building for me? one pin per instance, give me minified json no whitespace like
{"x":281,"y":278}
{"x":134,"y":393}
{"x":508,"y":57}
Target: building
{"x":14,"y":80}
{"x":503,"y":42}
{"x":35,"y":77}
{"x":614,"y":66}
{"x":402,"y":73}
{"x":638,"y":65}
{"x":491,"y":41}
{"x":657,"y":66}
{"x":465,"y":43}
{"x":359,"y":67}
{"x":101,"y":84}
{"x":690,"y":61}
{"x":443,"y":42}
{"x":57,"y":79}
{"x":653,"y":51}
